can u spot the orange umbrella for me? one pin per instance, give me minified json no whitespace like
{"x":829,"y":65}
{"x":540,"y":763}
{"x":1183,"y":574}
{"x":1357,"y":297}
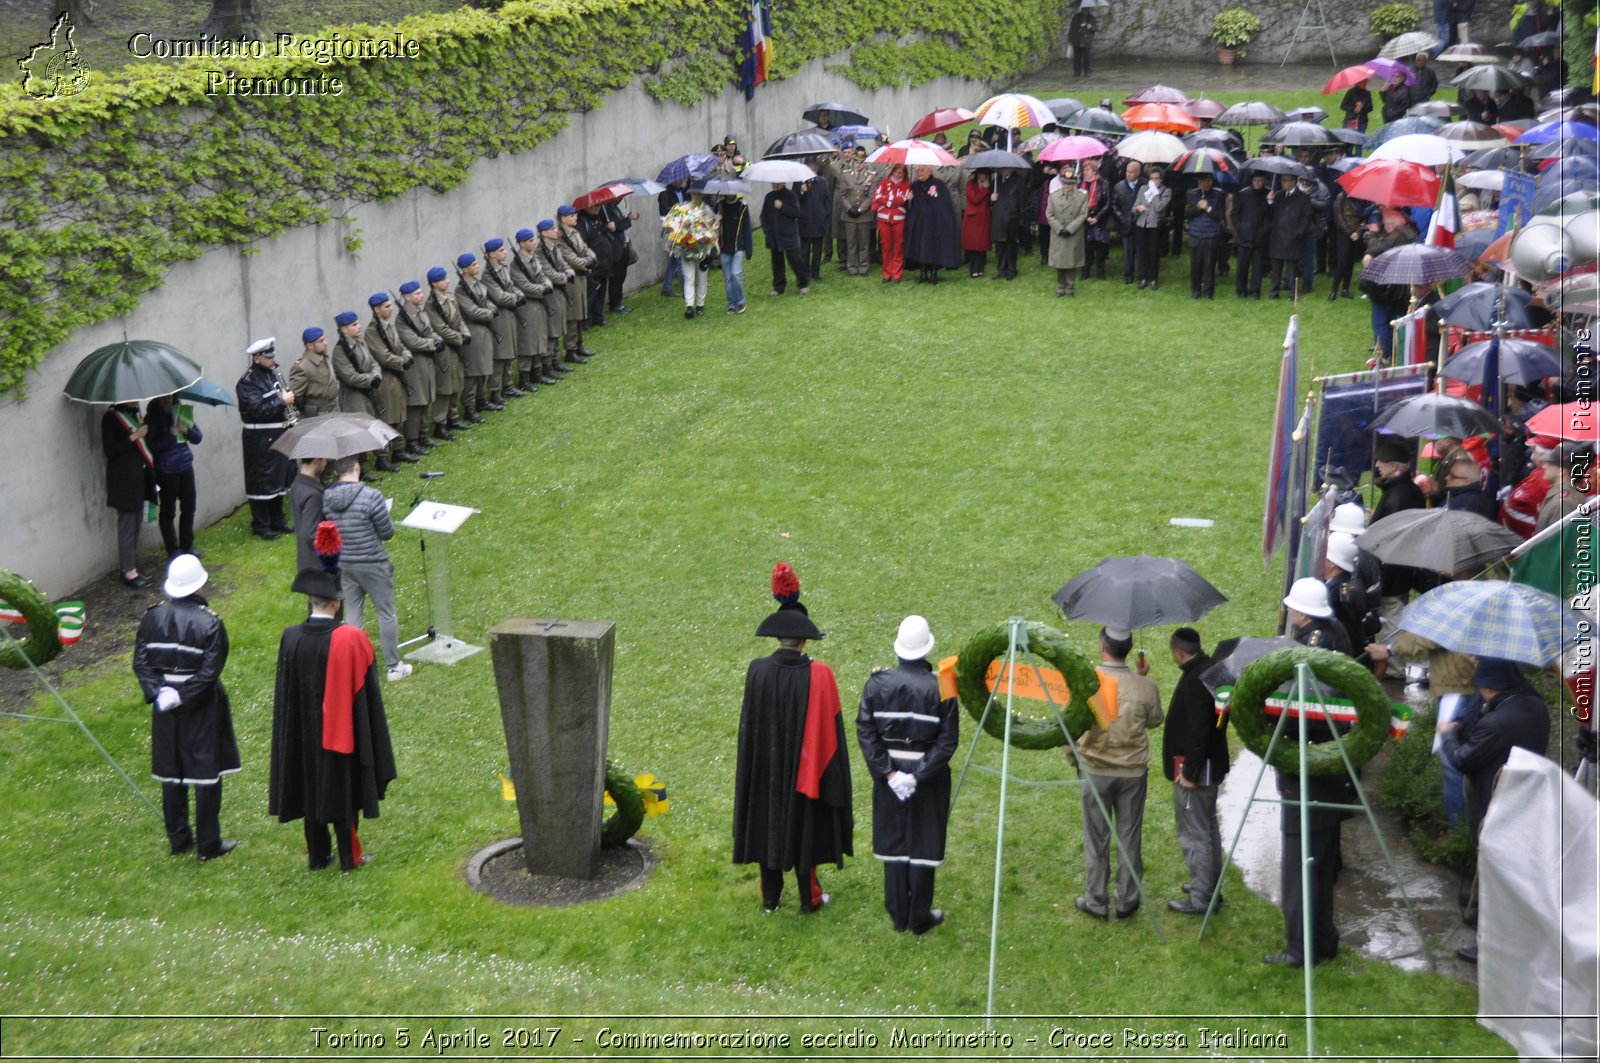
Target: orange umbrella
{"x":1167,"y":117}
{"x":1500,"y":250}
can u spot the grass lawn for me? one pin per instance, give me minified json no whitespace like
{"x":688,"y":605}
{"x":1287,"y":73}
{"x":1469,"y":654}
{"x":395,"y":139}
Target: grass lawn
{"x":959,"y":451}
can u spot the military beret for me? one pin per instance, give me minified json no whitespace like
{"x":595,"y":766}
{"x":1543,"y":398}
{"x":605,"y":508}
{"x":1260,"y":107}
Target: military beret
{"x":545,"y":225}
{"x":436,"y":274}
{"x":378,"y":298}
{"x":410,"y":286}
{"x":565,"y":210}
{"x":346,"y":317}
{"x":494,"y":243}
{"x":465,"y":259}
{"x":311,"y":335}
{"x":266,"y":346}
{"x":524,"y":235}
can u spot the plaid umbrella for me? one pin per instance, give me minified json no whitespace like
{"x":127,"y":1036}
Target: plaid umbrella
{"x":1250,"y":112}
{"x":1493,"y":618}
{"x":1408,"y":44}
{"x":687,"y":168}
{"x":1431,"y":415}
{"x":1437,"y":540}
{"x":1416,"y":264}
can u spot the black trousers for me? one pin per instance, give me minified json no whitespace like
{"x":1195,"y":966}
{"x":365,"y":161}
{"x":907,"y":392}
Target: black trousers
{"x":1044,"y":245}
{"x":1130,"y":254}
{"x":1151,"y":242}
{"x":805,"y":879}
{"x":908,"y":895}
{"x":1252,"y":269}
{"x":1203,"y":266}
{"x":1080,"y":61}
{"x":780,"y":280}
{"x":614,"y":283}
{"x":207,"y":833}
{"x":1096,"y":254}
{"x":811,"y":247}
{"x":1285,"y":272}
{"x":266,"y":514}
{"x":1005,"y":258}
{"x":597,"y":299}
{"x":318,"y":849}
{"x":976,"y":261}
{"x":177,"y":500}
{"x":1344,"y":260}
{"x":1324,"y":872}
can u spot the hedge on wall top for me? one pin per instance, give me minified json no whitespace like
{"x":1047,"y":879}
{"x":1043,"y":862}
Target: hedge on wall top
{"x":102,"y":191}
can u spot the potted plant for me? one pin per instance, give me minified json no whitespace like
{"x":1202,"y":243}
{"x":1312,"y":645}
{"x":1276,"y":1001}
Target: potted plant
{"x":1232,"y":28}
{"x":1391,"y":20}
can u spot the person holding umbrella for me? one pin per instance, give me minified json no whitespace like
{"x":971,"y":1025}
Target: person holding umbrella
{"x":889,"y":200}
{"x":1068,"y":211}
{"x":1249,"y":218}
{"x":1388,"y":301}
{"x":1397,"y":98}
{"x":977,"y":223}
{"x":1080,"y":34}
{"x":780,"y":224}
{"x":1356,"y":103}
{"x":855,"y":204}
{"x":1008,"y":197}
{"x":1150,"y":210}
{"x":169,"y":437}
{"x":130,"y":481}
{"x":1207,"y":207}
{"x":1287,"y":231}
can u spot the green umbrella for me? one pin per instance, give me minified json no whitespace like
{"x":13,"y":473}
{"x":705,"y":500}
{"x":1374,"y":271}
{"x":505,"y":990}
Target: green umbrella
{"x":207,"y":391}
{"x":131,"y":371}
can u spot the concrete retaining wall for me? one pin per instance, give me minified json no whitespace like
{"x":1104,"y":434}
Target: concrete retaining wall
{"x":55,"y":527}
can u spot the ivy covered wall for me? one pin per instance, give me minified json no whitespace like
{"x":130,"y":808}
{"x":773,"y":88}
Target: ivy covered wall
{"x":102,"y":192}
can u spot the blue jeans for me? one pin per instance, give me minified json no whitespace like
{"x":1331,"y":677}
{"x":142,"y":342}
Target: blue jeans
{"x":733,"y":278}
{"x":1455,"y":792}
{"x":1442,"y":25}
{"x":674,"y":269}
{"x":1382,"y":331}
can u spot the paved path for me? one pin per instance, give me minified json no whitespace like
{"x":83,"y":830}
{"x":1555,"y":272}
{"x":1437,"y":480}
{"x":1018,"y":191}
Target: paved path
{"x":1117,"y":78}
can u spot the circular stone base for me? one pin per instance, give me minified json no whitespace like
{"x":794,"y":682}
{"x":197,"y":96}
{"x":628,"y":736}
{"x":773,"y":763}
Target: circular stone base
{"x":501,"y":871}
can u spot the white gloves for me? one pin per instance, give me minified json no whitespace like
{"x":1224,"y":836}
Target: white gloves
{"x":903,"y":784}
{"x":166,"y":698}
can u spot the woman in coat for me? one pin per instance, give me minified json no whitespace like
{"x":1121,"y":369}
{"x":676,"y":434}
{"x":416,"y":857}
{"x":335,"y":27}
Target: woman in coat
{"x":975,"y":222}
{"x":1007,"y":202}
{"x":932,"y":239}
{"x":1150,"y":209}
{"x":169,"y":441}
{"x":1068,"y":211}
{"x":129,"y":482}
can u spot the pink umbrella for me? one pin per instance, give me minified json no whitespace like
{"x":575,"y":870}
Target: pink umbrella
{"x":943,"y":118}
{"x":1070,"y":149}
{"x":1204,"y":108}
{"x":1385,"y":69}
{"x":912,"y":153}
{"x":1350,"y":75}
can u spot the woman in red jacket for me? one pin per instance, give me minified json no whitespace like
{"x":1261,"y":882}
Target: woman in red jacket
{"x":889,"y":201}
{"x":975,"y":224}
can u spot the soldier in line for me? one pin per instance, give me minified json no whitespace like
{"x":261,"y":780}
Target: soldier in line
{"x":477,"y":358}
{"x":383,"y":344}
{"x":580,"y":260}
{"x":533,"y":281}
{"x":360,"y":380}
{"x":417,"y":337}
{"x":445,"y":317}
{"x":512,"y":320}
{"x":311,"y":377}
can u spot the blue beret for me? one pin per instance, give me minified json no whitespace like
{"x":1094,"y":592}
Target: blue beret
{"x":348,"y":317}
{"x":565,"y":209}
{"x":524,"y":235}
{"x":311,"y":335}
{"x":436,"y":274}
{"x":546,"y":225}
{"x":1496,"y":674}
{"x":378,"y":299}
{"x":410,"y":286}
{"x":465,"y":259}
{"x":494,"y":243}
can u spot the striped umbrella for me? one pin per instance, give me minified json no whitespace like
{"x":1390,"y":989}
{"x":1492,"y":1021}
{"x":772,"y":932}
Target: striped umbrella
{"x":1493,"y":618}
{"x":1070,"y":149}
{"x":1218,"y":164}
{"x":1416,"y":264}
{"x":1014,"y":110}
{"x":1167,"y":117}
{"x":912,"y":153}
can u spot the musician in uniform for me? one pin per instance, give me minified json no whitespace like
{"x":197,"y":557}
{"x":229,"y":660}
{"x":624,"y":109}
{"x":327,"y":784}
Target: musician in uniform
{"x":266,"y":409}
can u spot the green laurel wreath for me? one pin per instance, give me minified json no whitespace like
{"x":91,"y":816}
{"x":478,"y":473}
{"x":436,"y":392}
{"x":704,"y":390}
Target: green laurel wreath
{"x":617,"y":828}
{"x":1262,"y":677}
{"x":1051,"y":647}
{"x":43,"y":640}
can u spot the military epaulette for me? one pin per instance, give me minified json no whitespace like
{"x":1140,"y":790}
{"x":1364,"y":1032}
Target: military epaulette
{"x":875,"y":671}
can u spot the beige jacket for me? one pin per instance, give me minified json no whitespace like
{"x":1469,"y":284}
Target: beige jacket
{"x":1123,"y":749}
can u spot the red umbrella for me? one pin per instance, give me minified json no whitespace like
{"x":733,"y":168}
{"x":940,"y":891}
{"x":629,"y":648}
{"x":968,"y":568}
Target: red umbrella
{"x":1567,"y":421}
{"x":1167,"y":117}
{"x":1157,"y":94}
{"x":1393,"y":183}
{"x":912,"y":153}
{"x":943,"y":118}
{"x":1204,"y":108}
{"x":604,"y":194}
{"x":1350,"y":75}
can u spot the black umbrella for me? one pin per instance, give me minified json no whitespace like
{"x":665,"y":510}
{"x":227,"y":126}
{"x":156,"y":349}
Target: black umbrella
{"x":1491,"y":77}
{"x":1212,"y":137}
{"x":335,"y":435}
{"x":843,"y":113}
{"x":1306,"y":114}
{"x":1063,"y":106}
{"x":1570,"y":96}
{"x":800,"y":145}
{"x":131,"y":371}
{"x":995,"y":159}
{"x":1250,"y":112}
{"x":1433,"y":415}
{"x":1134,"y":592}
{"x":1480,"y":305}
{"x":1275,"y":164}
{"x":1354,"y":138}
{"x":1493,"y":159}
{"x":1233,"y":656}
{"x":1094,"y":120}
{"x":1300,"y":135}
{"x":1445,"y":109}
{"x":1437,"y":540}
{"x":1546,"y":39}
{"x":1521,"y":361}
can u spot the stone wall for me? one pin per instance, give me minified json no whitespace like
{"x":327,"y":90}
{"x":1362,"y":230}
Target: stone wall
{"x":1177,"y":29}
{"x":55,"y":527}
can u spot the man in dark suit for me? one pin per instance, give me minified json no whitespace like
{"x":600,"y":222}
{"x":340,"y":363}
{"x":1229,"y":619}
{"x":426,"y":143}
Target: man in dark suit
{"x":1123,"y":197}
{"x":1194,"y":754}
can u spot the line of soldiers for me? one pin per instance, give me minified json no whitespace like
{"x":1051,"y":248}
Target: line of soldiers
{"x":433,"y":364}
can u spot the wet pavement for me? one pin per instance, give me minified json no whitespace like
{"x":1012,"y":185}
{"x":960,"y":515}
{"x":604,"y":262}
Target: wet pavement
{"x":1368,"y":904}
{"x":1117,"y":78}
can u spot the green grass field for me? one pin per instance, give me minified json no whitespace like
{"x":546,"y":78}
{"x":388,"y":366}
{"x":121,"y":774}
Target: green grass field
{"x":959,"y":451}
